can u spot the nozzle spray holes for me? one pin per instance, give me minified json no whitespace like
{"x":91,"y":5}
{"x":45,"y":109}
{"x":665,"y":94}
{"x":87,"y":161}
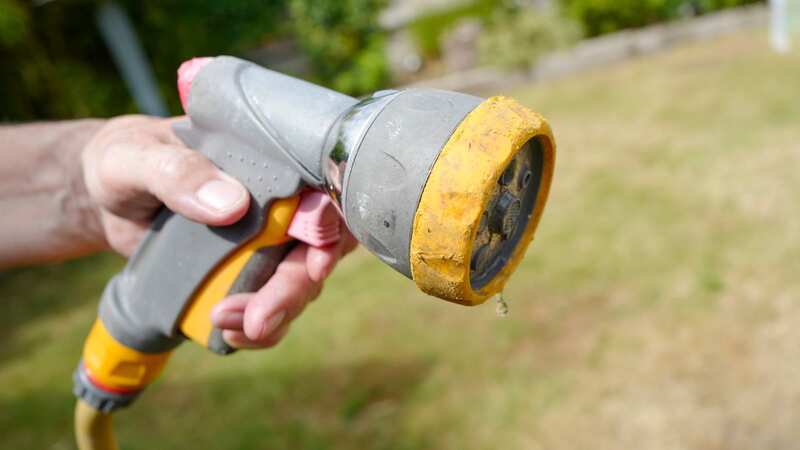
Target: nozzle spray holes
{"x":525,"y":179}
{"x":504,"y":215}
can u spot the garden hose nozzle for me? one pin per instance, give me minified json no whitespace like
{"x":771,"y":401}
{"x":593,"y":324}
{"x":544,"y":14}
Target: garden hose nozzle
{"x":445,"y":188}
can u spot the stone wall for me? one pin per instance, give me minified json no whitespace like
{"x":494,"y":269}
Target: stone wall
{"x":608,"y":49}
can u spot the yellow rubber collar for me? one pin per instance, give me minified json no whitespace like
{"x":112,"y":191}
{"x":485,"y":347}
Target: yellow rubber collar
{"x":458,"y":190}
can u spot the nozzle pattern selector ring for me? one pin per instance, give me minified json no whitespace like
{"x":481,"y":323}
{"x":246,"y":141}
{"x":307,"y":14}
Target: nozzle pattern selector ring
{"x":459,"y":189}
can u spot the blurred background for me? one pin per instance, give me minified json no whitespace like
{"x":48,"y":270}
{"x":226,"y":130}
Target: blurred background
{"x":657,"y":308}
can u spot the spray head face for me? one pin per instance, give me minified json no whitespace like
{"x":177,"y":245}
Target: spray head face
{"x":448,"y":189}
{"x":482,"y":202}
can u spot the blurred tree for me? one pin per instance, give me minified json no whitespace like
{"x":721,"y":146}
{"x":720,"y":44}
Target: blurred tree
{"x":517,"y":37}
{"x":429,"y":28}
{"x":605,"y":16}
{"x":55,"y":65}
{"x":343,"y":40}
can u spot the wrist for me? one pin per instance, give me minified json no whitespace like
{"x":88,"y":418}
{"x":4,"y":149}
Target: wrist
{"x":49,"y":215}
{"x":81,"y":215}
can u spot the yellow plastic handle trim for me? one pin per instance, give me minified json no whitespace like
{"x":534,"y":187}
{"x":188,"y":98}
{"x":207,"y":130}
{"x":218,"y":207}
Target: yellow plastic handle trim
{"x":196,"y":321}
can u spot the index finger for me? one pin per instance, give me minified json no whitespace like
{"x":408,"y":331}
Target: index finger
{"x":283,"y":297}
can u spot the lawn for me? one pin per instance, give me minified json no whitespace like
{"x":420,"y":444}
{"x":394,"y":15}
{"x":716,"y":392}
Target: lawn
{"x":659,"y":307}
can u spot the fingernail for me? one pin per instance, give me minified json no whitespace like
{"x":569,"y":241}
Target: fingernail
{"x":272,"y":323}
{"x":319,"y":259}
{"x":220,"y":195}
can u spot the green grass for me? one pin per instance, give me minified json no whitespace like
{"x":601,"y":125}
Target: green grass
{"x":657,"y":309}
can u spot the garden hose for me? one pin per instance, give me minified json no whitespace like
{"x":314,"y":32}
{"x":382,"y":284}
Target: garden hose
{"x":93,"y":428}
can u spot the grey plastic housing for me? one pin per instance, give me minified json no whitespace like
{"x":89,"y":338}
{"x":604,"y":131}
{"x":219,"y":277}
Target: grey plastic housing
{"x":387,"y":171}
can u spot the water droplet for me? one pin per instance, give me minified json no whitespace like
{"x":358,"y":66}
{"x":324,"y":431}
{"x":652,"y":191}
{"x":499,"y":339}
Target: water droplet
{"x":502,"y":307}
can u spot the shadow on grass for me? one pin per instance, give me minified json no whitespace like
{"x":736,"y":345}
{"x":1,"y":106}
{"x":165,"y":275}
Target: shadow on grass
{"x":363,"y":405}
{"x":35,"y":293}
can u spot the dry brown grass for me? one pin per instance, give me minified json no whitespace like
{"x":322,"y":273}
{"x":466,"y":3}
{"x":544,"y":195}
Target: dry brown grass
{"x":693,"y":255}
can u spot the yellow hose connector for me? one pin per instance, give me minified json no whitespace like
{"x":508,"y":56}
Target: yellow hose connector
{"x":458,"y":190}
{"x":114,"y":366}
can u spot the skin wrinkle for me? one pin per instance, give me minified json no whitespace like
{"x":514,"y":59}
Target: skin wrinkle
{"x":76,"y":204}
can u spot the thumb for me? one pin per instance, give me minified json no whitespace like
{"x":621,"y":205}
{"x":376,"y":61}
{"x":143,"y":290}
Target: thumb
{"x":184,"y":180}
{"x":191,"y":185}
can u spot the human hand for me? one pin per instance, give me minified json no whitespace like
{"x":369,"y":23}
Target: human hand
{"x":134,"y":164}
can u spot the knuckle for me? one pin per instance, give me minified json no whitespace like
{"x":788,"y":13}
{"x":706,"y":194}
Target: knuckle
{"x":110,"y":177}
{"x":314,"y":292}
{"x":297,"y":309}
{"x":270,"y":343}
{"x":272,"y":340}
{"x":177,"y":166}
{"x":132,"y":122}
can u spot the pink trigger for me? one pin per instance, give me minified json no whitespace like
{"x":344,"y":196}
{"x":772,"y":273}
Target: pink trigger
{"x":186,"y":73}
{"x":316,"y":221}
